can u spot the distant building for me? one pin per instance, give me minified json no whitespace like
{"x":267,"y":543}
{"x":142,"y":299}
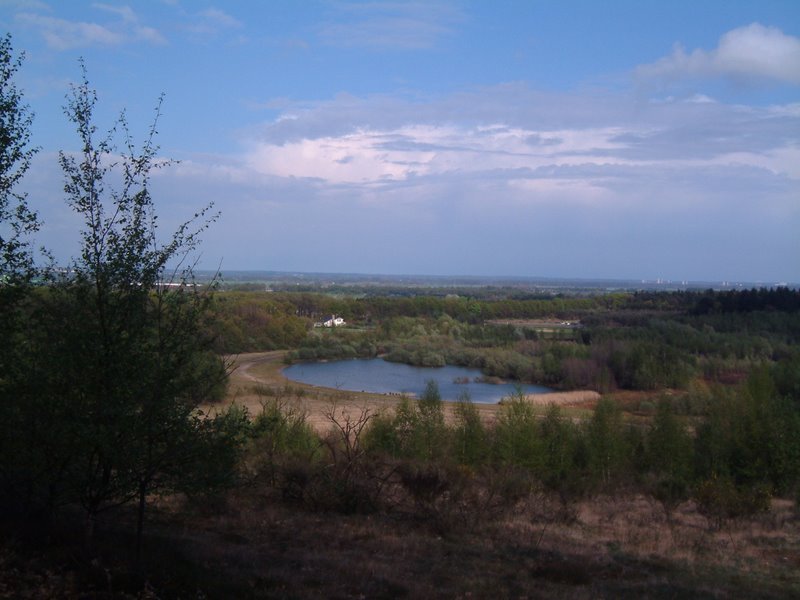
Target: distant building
{"x":332,"y":321}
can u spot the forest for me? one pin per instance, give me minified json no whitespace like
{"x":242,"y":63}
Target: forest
{"x":130,"y":469}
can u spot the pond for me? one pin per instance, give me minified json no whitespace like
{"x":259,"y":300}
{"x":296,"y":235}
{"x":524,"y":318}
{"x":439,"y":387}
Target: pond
{"x":382,"y":377}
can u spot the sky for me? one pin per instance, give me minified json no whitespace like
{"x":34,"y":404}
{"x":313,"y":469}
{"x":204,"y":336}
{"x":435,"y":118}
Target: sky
{"x":627,"y":139}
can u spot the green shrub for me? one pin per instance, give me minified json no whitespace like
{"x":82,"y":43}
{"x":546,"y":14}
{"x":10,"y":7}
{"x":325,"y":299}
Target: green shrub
{"x":719,"y":500}
{"x":516,"y":435}
{"x":470,"y":438}
{"x":608,"y":450}
{"x":647,"y":407}
{"x":281,"y":437}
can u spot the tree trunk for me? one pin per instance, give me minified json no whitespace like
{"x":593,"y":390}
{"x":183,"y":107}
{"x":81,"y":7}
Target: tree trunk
{"x":140,"y":523}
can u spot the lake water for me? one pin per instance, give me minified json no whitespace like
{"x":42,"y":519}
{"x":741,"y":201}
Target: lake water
{"x":382,"y":377}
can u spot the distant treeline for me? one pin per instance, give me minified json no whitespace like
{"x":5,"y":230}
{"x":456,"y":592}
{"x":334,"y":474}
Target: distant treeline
{"x":510,"y":304}
{"x":763,"y":299}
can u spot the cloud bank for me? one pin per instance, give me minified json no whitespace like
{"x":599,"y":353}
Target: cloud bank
{"x":390,"y":25}
{"x":559,"y":184}
{"x":746,"y":53}
{"x":501,"y":179}
{"x":62,"y":34}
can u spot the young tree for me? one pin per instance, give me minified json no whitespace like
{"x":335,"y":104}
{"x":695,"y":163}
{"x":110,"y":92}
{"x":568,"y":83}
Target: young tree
{"x":607,"y":448}
{"x":470,"y":443}
{"x":560,"y":472}
{"x":17,"y":270}
{"x":431,"y":433}
{"x":122,"y":335}
{"x":17,"y":220}
{"x":137,"y":328}
{"x":516,"y":434}
{"x":669,"y":455}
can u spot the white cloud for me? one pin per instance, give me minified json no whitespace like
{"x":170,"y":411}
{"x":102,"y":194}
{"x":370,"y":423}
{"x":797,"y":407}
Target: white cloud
{"x":62,"y":34}
{"x":753,"y":52}
{"x":125,"y":12}
{"x":390,"y":141}
{"x":379,"y":155}
{"x":406,"y":25}
{"x":211,"y":22}
{"x":519,"y":165}
{"x":150,"y":34}
{"x":219,"y":18}
{"x":572,"y":191}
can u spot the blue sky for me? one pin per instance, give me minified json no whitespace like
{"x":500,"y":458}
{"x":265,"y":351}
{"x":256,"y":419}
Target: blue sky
{"x":621,"y":139}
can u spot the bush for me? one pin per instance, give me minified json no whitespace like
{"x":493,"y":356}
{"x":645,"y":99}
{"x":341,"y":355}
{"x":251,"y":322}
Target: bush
{"x":516,"y":434}
{"x":282,"y":440}
{"x":719,"y":500}
{"x":470,"y":438}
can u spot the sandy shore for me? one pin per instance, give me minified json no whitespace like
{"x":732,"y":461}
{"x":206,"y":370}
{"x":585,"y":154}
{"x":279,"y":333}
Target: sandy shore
{"x":578,"y":397}
{"x":257,"y":378}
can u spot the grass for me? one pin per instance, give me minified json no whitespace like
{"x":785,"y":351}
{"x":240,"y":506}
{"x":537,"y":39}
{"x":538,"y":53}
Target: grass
{"x":254,"y":546}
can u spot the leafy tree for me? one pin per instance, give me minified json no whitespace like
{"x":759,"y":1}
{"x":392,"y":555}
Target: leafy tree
{"x":138,"y":365}
{"x":669,"y":457}
{"x":516,"y":440}
{"x":430,"y":432}
{"x":560,"y":471}
{"x":416,"y":430}
{"x":751,"y":436}
{"x":103,"y":405}
{"x":17,"y":271}
{"x":606,"y":442}
{"x":395,"y":434}
{"x":669,"y":445}
{"x":280,"y":435}
{"x":17,"y":220}
{"x":470,"y":439}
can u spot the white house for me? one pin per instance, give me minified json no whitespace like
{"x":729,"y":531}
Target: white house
{"x":332,"y":321}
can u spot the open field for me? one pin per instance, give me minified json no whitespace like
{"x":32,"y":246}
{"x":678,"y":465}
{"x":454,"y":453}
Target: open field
{"x":255,"y":546}
{"x":614,"y":547}
{"x":538,"y":324}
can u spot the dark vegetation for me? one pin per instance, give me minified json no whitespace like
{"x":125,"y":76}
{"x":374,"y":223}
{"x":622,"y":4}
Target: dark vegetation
{"x":744,"y":450}
{"x":116,"y":482}
{"x":103,"y":365}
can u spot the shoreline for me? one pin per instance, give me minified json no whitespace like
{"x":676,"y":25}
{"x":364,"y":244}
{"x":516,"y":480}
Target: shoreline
{"x":257,"y":378}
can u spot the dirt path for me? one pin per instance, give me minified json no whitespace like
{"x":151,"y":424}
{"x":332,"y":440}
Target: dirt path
{"x":243,"y":363}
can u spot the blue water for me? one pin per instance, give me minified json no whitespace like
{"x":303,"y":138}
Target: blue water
{"x":382,"y":377}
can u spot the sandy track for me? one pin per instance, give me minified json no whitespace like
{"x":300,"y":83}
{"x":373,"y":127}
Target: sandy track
{"x":244,"y":363}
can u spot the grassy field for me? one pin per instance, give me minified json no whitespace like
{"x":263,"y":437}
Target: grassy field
{"x":252,"y":545}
